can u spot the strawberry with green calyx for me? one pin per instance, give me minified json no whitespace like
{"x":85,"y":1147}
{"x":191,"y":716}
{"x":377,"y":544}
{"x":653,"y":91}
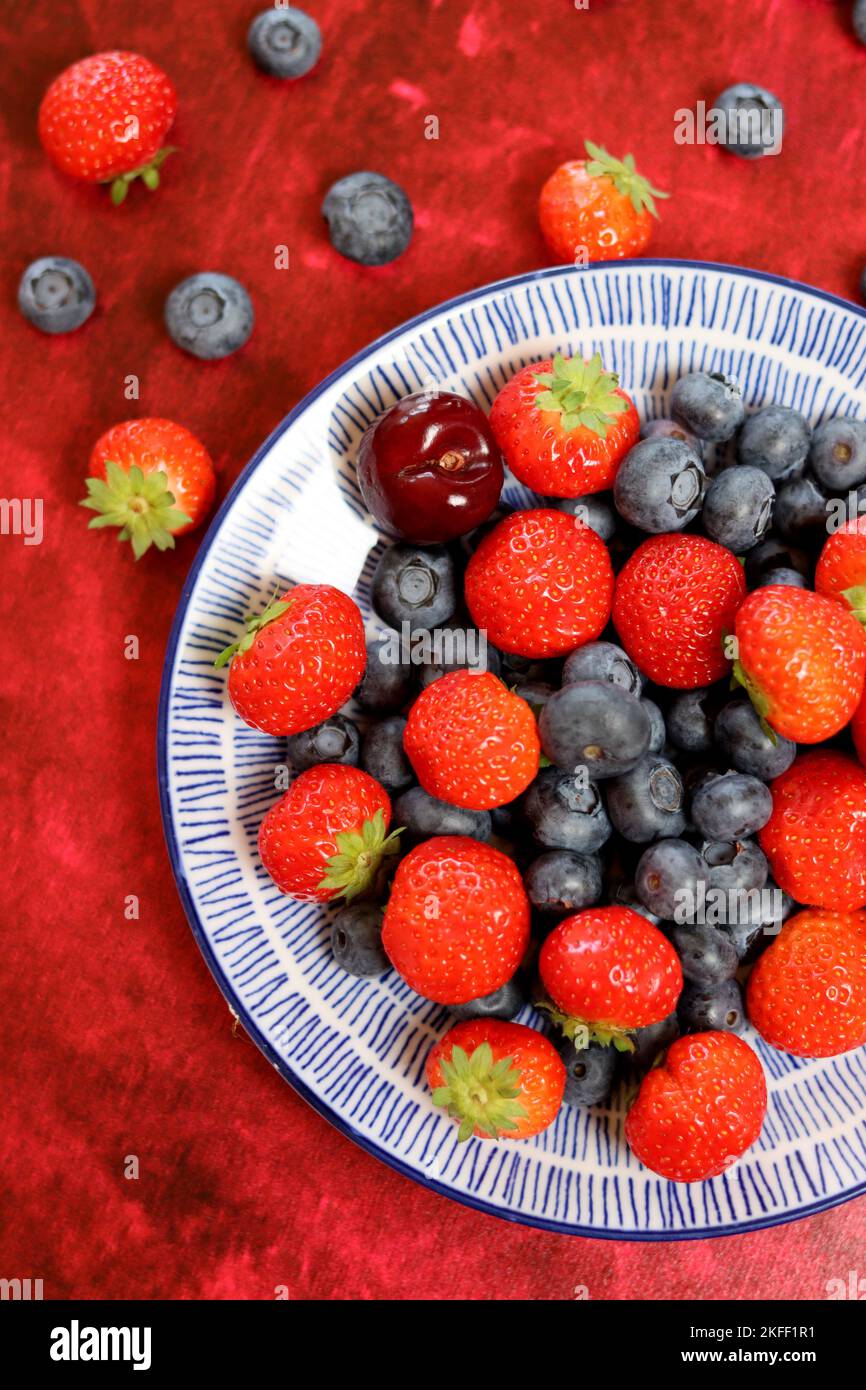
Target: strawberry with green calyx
{"x":254,"y":624}
{"x":148,"y":173}
{"x":597,"y":209}
{"x":841,"y":569}
{"x":497,"y":1079}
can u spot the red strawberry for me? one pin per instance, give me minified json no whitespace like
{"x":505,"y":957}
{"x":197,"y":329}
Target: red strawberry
{"x":540,"y":584}
{"x":802,"y":660}
{"x":457,"y":921}
{"x":327,"y":836}
{"x":151,"y":478}
{"x":104,"y":120}
{"x":597,"y":209}
{"x":841,"y":569}
{"x":564,"y":426}
{"x":807,"y":993}
{"x":815,"y":839}
{"x":700,"y":1110}
{"x":607,"y":971}
{"x":471,"y":741}
{"x":675,"y":599}
{"x":497,"y":1079}
{"x":298,"y":661}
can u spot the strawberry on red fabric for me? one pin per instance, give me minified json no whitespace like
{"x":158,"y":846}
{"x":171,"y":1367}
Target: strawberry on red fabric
{"x":607,"y":971}
{"x":815,"y":838}
{"x":841,"y":569}
{"x":807,"y":992}
{"x":104,"y":120}
{"x":497,"y":1079}
{"x":457,"y":922}
{"x":698,"y":1113}
{"x":675,"y":599}
{"x":597,"y":209}
{"x":564,"y":426}
{"x":802,"y":661}
{"x":327,"y":837}
{"x":471,"y":741}
{"x":152,"y":479}
{"x":298,"y":661}
{"x":540,"y":584}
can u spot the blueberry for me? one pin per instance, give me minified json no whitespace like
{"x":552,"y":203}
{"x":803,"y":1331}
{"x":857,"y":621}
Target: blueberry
{"x":602,"y":661}
{"x":415,"y":585}
{"x":460,"y":649}
{"x":738,"y":508}
{"x":589,"y":1073}
{"x":625,"y":894}
{"x":650,"y":1042}
{"x":647,"y":802}
{"x":595,"y":511}
{"x":209,"y":315}
{"x":660,"y":485}
{"x":665,"y":871}
{"x":731,"y":807}
{"x":658,"y":731}
{"x":424,"y":815}
{"x":734,"y":865}
{"x":838,"y":456}
{"x":709,"y":404}
{"x":755,"y":120}
{"x":562,"y":881}
{"x":669,"y":429}
{"x":706,"y":955}
{"x":786,"y":577}
{"x":56,"y":294}
{"x":741,"y":736}
{"x":773,"y":555}
{"x":505,"y":1002}
{"x":284,"y":42}
{"x":333,"y":741}
{"x":747,"y":938}
{"x":711,"y":1008}
{"x":776,"y":440}
{"x":387,"y":683}
{"x":596,"y":725}
{"x":566,"y":811}
{"x":356,"y":940}
{"x":689,"y":724}
{"x":382,"y":754}
{"x":369,"y":218}
{"x":535,"y":693}
{"x":801,"y":511}
{"x":858,"y":19}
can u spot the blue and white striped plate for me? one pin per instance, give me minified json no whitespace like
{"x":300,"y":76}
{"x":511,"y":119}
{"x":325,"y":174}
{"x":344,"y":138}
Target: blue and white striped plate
{"x":355,"y":1049}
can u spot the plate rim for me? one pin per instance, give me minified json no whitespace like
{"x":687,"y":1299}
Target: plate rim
{"x":236,"y":1005}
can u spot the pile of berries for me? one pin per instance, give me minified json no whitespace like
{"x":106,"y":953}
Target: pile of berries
{"x":569,"y":783}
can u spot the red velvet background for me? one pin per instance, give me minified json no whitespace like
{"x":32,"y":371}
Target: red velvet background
{"x":115,"y":1039}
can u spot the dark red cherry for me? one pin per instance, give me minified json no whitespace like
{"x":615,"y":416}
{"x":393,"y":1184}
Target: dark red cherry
{"x":429,"y":469}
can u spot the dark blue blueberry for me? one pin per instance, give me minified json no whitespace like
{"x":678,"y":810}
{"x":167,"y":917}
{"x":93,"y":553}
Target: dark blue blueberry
{"x":740,"y":734}
{"x":505,"y":1002}
{"x":669,"y":429}
{"x":356,"y":940}
{"x":667,"y":875}
{"x":658,"y":730}
{"x":689,"y":722}
{"x":624,"y":894}
{"x":774,"y":555}
{"x":602,"y":661}
{"x":56,"y":294}
{"x":209,"y":315}
{"x":415,"y":585}
{"x":738,"y":508}
{"x":387,"y":683}
{"x":785,"y":577}
{"x":459,"y":649}
{"x":595,"y":511}
{"x":595,"y":725}
{"x":647,"y":802}
{"x":734,"y":865}
{"x":753,"y":924}
{"x":801,"y":511}
{"x":707,"y":955}
{"x":731,"y":807}
{"x":333,"y":741}
{"x":535,"y":693}
{"x":776,"y":440}
{"x":711,"y":1008}
{"x":754,"y":122}
{"x":424,"y":815}
{"x":708,"y":404}
{"x":382,"y":754}
{"x":284,"y":42}
{"x":651,"y":1042}
{"x":566,"y":811}
{"x":562,"y":881}
{"x":589,"y":1073}
{"x":369,"y":218}
{"x":660,"y":485}
{"x":838,"y":456}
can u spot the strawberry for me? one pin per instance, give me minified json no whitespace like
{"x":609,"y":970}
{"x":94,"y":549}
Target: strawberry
{"x":540,"y":584}
{"x":564,"y":426}
{"x":153,"y":479}
{"x":802,"y":660}
{"x":807,"y":992}
{"x":608,"y":971}
{"x":841,"y":569}
{"x":104,"y":120}
{"x":471,"y":741}
{"x":675,"y":598}
{"x":328,"y":835}
{"x":496,"y":1078}
{"x":597,"y":209}
{"x":457,"y":922}
{"x":298,"y":661}
{"x":815,"y":838}
{"x":699,"y":1111}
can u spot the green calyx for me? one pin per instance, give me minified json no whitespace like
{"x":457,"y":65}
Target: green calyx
{"x":254,"y":624}
{"x":759,"y":700}
{"x":857,"y":599}
{"x":582,"y":1033}
{"x":480,"y":1093}
{"x":583,"y":393}
{"x":148,"y":173}
{"x":624,"y":176}
{"x":139,"y":503}
{"x":354,"y":869}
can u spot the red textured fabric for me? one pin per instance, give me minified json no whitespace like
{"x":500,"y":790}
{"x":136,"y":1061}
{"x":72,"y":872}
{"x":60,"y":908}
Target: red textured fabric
{"x":115,"y":1039}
